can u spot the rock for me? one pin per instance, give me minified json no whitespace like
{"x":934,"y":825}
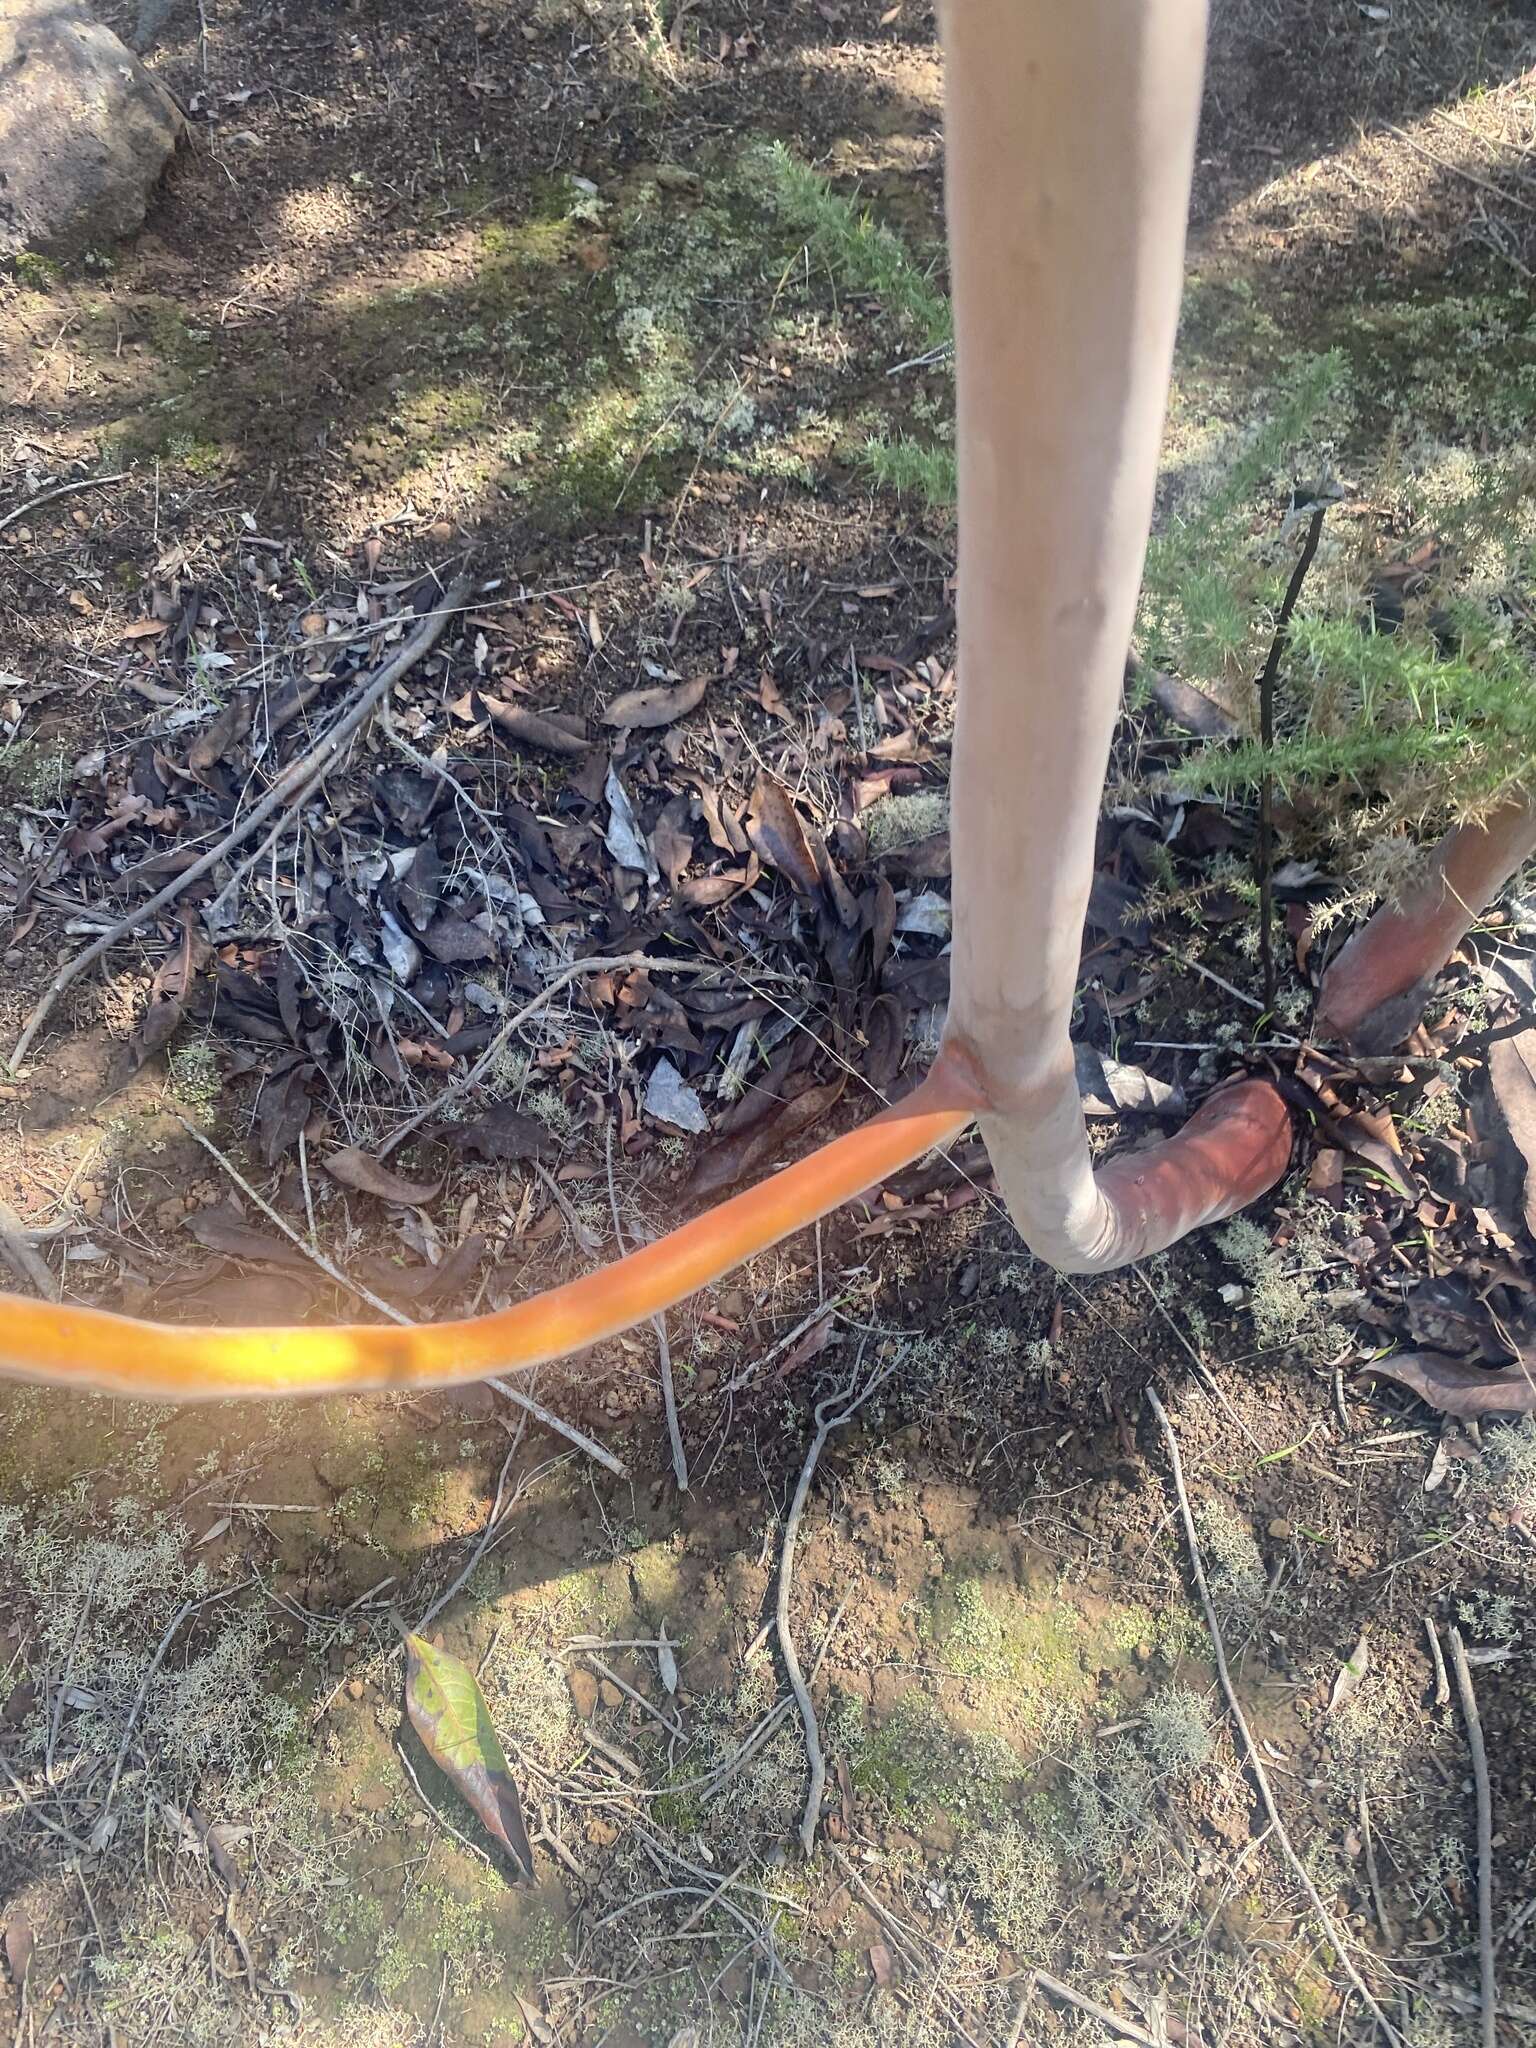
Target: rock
{"x":610,"y":1695}
{"x":1280,"y":1530}
{"x":583,"y":1692}
{"x":85,"y":131}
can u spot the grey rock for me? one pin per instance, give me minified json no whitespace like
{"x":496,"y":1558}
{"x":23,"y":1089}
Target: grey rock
{"x":85,"y":131}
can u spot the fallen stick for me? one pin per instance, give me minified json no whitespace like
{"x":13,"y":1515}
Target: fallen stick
{"x":825,"y":1424}
{"x":1487,"y":1986}
{"x":1104,"y":2014}
{"x":1251,"y":1749}
{"x":81,"y":483}
{"x":296,"y":1238}
{"x":568,"y":1430}
{"x":23,"y":1256}
{"x":291,"y":782}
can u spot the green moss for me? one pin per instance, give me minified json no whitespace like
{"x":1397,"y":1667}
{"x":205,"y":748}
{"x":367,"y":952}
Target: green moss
{"x":32,"y":770}
{"x":657,"y":1581}
{"x":195,"y":457}
{"x":1039,"y":1659}
{"x":914,"y":1762}
{"x":1442,"y":363}
{"x":37,"y":273}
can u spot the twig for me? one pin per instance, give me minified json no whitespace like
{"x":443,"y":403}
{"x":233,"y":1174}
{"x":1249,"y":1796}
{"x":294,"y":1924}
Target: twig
{"x":604,"y":963}
{"x":293,"y":780}
{"x":1487,"y":1989}
{"x":858,"y":703}
{"x":825,"y":1424}
{"x":31,"y":1805}
{"x":1104,"y":2014}
{"x":1461,"y":171}
{"x":24,"y":1256}
{"x":659,"y":1324}
{"x":1250,"y":1747}
{"x":483,"y":1541}
{"x":1373,"y":1874}
{"x":669,"y":1403}
{"x":1437,"y":1658}
{"x":1210,"y":975}
{"x":81,"y":483}
{"x":587,"y":1239}
{"x":237,"y":874}
{"x":186,"y":1608}
{"x":1267,"y":678}
{"x":672,"y":1726}
{"x":568,"y":1430}
{"x":294,"y":1237}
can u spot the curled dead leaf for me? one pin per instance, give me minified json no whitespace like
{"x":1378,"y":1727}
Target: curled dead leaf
{"x":531,"y":729}
{"x":1455,"y":1388}
{"x":747,"y":1151}
{"x":358,"y":1169}
{"x":659,"y":704}
{"x":779,"y":837}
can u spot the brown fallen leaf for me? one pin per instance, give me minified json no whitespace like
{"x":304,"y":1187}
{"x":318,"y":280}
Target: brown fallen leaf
{"x":502,"y":1133}
{"x":1455,"y":1388}
{"x":811,"y":1345}
{"x":426,"y":1283}
{"x":1190,"y":708}
{"x":1109,"y":1086}
{"x":672,"y":841}
{"x":283,"y":1108}
{"x":659,"y":704}
{"x":228,"y":728}
{"x":1351,"y":1675}
{"x":776,"y":832}
{"x":167,"y":995}
{"x":1512,"y":1076}
{"x":531,"y":729}
{"x":706,"y":892}
{"x":145,"y":629}
{"x":222,"y":1229}
{"x":232,"y":1299}
{"x":454,"y":941}
{"x":1362,"y":1135}
{"x":449,"y":1713}
{"x":355,"y":1168}
{"x":746,"y":1151}
{"x":19,"y":1943}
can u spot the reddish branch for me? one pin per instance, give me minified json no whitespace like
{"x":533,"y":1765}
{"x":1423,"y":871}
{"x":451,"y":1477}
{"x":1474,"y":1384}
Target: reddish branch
{"x":1373,"y":992}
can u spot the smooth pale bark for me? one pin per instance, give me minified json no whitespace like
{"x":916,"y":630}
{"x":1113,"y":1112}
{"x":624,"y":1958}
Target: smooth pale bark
{"x":1070,"y":149}
{"x":1071,"y":134}
{"x":1373,"y":992}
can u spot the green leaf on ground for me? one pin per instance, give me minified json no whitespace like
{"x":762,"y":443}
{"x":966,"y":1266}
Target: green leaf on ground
{"x":449,"y":1713}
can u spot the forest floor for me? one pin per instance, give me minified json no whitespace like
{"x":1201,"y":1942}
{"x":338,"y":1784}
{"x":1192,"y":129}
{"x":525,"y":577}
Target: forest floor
{"x":516,"y":284}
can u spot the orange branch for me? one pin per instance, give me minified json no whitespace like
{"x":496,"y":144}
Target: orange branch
{"x":89,"y":1349}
